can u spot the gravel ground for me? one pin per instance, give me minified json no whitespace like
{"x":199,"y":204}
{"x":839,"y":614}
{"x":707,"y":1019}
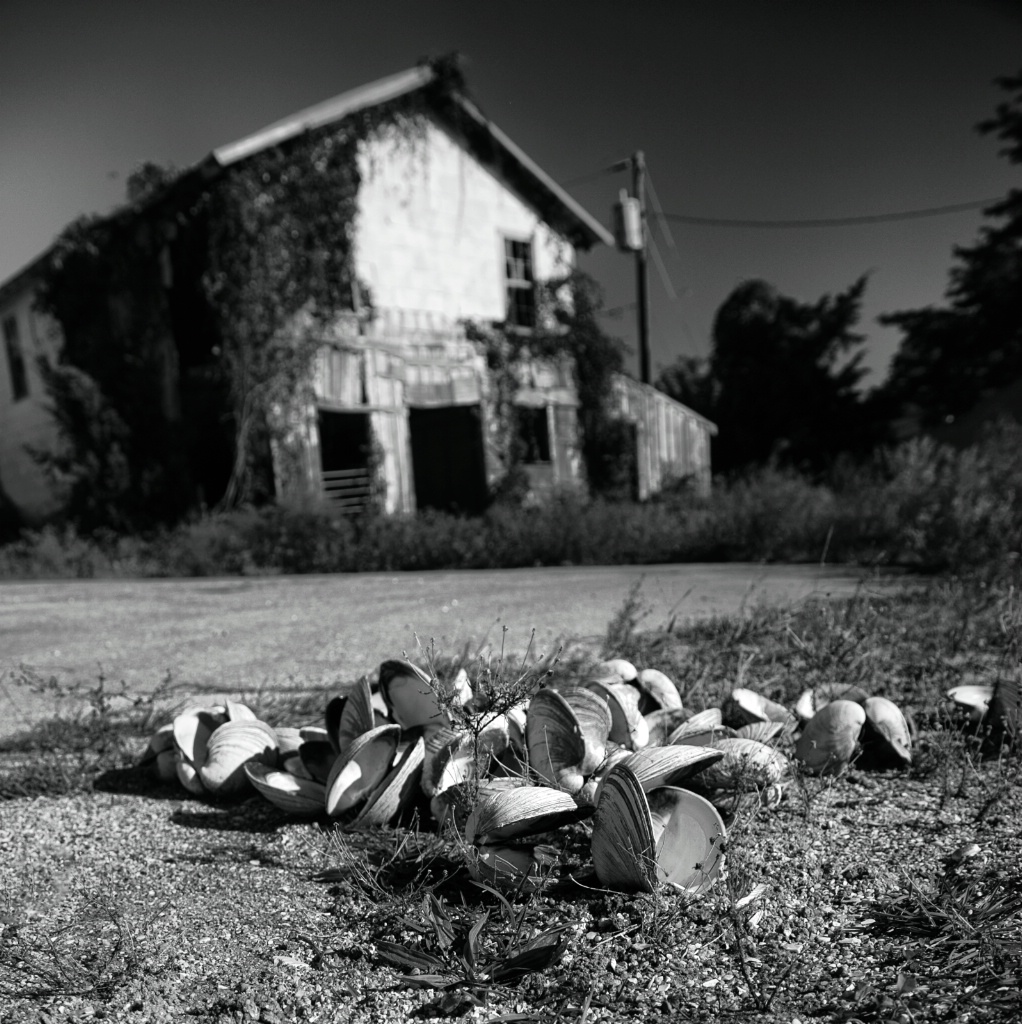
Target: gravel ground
{"x":219,"y":907}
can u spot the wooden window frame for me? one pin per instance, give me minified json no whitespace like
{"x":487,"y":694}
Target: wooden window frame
{"x":17,"y":365}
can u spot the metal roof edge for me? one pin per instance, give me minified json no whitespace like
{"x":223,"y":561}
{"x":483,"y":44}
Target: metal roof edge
{"x":628,"y":381}
{"x":574,"y":207}
{"x":333,"y":109}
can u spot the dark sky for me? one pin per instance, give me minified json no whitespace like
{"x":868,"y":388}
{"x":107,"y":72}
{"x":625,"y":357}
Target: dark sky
{"x":746,"y":109}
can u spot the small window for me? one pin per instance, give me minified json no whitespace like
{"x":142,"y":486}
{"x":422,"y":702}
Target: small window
{"x":521,"y":284}
{"x":533,"y":434}
{"x":16,"y":368}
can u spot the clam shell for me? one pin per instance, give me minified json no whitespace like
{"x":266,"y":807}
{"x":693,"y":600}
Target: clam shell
{"x":746,"y":706}
{"x":555,"y":742}
{"x":623,"y":846}
{"x":165,"y":765}
{"x":746,"y":764}
{"x":317,"y":758}
{"x":662,"y":723}
{"x":361,"y":768}
{"x":816,"y":700}
{"x":689,"y":839}
{"x":658,"y":691}
{"x":594,"y":718}
{"x":627,"y":727}
{"x":187,"y":775}
{"x":411,"y":695}
{"x":700,"y":730}
{"x":350,"y":715}
{"x":448,"y":759}
{"x":886,"y":739}
{"x":655,"y":767}
{"x":509,"y":814}
{"x":397,"y":791}
{"x":624,"y":669}
{"x":289,"y":740}
{"x":520,"y":867}
{"x":764,"y":732}
{"x":229,"y":748}
{"x":1006,"y":704}
{"x":192,"y":730}
{"x":238,"y":712}
{"x":829,"y":738}
{"x":160,"y":741}
{"x":974,"y":698}
{"x":300,"y":797}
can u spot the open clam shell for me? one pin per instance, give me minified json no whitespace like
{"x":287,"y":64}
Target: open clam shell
{"x":622,"y":668}
{"x":502,"y":816}
{"x":746,"y":764}
{"x":662,"y":722}
{"x":764,"y":732}
{"x":350,"y":715}
{"x":398,"y":790}
{"x":658,"y":691}
{"x":700,"y":730}
{"x":594,"y":718}
{"x":623,"y":846}
{"x":673,"y":837}
{"x":449,"y":759}
{"x":301,"y":797}
{"x":230,"y":747}
{"x":411,"y":695}
{"x":974,"y":698}
{"x":885,"y":736}
{"x":655,"y":767}
{"x":627,"y":727}
{"x":689,"y":839}
{"x":192,"y":729}
{"x":188,"y":775}
{"x":555,"y":742}
{"x":830,"y":736}
{"x":519,"y":866}
{"x":745,"y":706}
{"x":358,"y":771}
{"x":1006,"y":704}
{"x":812,"y":701}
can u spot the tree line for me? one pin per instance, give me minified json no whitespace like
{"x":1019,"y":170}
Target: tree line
{"x":782,"y":378}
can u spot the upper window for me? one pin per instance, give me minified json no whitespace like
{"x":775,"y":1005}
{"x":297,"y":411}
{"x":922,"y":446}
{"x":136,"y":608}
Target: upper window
{"x":16,"y":368}
{"x":521,"y":284}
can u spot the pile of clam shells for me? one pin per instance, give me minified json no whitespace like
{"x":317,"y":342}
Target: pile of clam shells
{"x":614,"y":744}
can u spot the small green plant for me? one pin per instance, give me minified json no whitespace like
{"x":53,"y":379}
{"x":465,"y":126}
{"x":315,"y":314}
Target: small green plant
{"x":461,"y":954}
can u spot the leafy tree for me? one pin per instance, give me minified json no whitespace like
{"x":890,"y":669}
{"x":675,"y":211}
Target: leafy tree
{"x":950,"y":355}
{"x":781,"y":381}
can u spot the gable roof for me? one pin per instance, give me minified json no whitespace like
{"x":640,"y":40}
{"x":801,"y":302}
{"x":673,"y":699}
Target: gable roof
{"x":486,"y":141}
{"x":456,"y":111}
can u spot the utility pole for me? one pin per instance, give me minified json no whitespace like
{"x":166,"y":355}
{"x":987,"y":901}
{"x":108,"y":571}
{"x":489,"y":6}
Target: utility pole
{"x":632,"y":235}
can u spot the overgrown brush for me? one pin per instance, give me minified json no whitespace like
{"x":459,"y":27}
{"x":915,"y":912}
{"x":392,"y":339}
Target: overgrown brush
{"x":920,"y":504}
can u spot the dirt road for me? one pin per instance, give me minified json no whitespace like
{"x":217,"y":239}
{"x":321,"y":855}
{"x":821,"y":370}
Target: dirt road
{"x":230,"y":634}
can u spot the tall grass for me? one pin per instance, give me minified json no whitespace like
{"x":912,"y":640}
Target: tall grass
{"x":921,"y":505}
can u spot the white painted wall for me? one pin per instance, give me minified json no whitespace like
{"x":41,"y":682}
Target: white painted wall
{"x":27,"y":422}
{"x":431,"y":227}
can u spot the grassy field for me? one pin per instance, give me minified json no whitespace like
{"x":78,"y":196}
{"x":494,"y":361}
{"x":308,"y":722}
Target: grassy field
{"x":870,"y":896}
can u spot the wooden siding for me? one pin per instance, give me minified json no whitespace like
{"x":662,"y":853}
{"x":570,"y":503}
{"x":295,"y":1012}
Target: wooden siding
{"x":673,"y":441}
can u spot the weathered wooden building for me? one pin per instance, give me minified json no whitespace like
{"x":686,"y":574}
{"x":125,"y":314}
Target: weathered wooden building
{"x":454,"y":225}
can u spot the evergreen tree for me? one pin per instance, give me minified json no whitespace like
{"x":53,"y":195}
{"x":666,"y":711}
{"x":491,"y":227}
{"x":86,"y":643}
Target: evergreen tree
{"x":950,"y":355}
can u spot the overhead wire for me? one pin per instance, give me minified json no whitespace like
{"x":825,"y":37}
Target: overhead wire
{"x":830,"y":222}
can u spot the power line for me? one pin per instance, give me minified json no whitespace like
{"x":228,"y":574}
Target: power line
{"x":830,"y":222}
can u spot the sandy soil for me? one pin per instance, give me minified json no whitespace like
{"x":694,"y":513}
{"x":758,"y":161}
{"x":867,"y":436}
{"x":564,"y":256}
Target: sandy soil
{"x":246,"y":633}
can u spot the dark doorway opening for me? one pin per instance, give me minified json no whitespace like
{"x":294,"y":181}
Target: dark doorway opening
{"x":447,"y":458}
{"x":345,"y":446}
